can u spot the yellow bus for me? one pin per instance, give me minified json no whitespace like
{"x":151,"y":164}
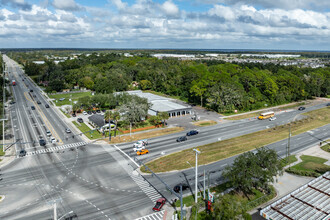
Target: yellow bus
{"x":266,"y":115}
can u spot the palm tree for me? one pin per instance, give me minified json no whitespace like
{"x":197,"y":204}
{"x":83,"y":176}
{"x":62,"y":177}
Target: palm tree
{"x":116,"y":117}
{"x":75,"y":108}
{"x":163,"y":116}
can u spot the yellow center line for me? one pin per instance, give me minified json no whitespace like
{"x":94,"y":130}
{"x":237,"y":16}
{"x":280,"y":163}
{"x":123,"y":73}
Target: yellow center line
{"x":47,"y":123}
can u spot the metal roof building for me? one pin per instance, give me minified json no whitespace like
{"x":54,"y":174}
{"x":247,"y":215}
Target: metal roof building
{"x":162,"y":104}
{"x":309,"y":202}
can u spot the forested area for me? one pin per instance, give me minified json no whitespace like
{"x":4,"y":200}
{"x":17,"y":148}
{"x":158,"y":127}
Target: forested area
{"x":220,"y":86}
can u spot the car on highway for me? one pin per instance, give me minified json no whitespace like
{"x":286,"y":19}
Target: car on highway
{"x":31,"y":90}
{"x":38,"y":102}
{"x":47,"y":106}
{"x":22,"y":153}
{"x":182,"y":138}
{"x":328,"y":104}
{"x":272,"y":118}
{"x":159,"y":204}
{"x":42,"y":142}
{"x":142,"y":151}
{"x":301,"y":108}
{"x":67,"y":130}
{"x":61,"y":99}
{"x":33,"y":108}
{"x":192,"y":132}
{"x":80,"y":120}
{"x":140,"y":143}
{"x":52,"y":140}
{"x":48,"y":133}
{"x":84,"y":113}
{"x":177,"y":187}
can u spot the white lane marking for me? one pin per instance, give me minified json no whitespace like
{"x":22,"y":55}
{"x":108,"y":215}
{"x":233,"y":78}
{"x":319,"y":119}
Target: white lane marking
{"x":126,"y":155}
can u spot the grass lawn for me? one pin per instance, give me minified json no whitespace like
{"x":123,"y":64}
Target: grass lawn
{"x":326,"y":148}
{"x":145,"y":135}
{"x":67,"y":115}
{"x":286,"y":162}
{"x":75,"y":97}
{"x":204,"y":123}
{"x":84,"y":128}
{"x":230,"y":147}
{"x":310,"y":166}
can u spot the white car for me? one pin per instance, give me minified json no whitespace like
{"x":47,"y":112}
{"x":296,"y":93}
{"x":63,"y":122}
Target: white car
{"x":272,"y":118}
{"x":53,"y":140}
{"x":140,"y":145}
{"x":48,"y":133}
{"x":84,"y":112}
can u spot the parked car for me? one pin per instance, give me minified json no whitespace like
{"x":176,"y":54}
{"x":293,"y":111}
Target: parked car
{"x":74,"y":115}
{"x":38,"y":102}
{"x":34,"y":96}
{"x":67,"y":130}
{"x":272,"y":118}
{"x":80,"y":120}
{"x":192,"y":132}
{"x":142,"y":151}
{"x":22,"y":153}
{"x":159,"y":204}
{"x":98,"y":111}
{"x":177,"y":187}
{"x":89,"y":112}
{"x":182,"y":138}
{"x":84,"y":113}
{"x":301,"y":108}
{"x":31,"y":90}
{"x":47,"y":106}
{"x":94,"y":112}
{"x":33,"y":108}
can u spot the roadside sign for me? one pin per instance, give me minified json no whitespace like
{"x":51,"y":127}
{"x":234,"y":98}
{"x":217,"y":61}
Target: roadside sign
{"x":211,"y":197}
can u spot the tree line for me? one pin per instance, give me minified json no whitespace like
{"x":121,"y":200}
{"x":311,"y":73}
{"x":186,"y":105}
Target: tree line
{"x":223,"y":87}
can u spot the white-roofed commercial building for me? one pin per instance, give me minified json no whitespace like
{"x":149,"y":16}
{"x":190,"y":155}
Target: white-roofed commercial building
{"x":309,"y":202}
{"x":163,"y":104}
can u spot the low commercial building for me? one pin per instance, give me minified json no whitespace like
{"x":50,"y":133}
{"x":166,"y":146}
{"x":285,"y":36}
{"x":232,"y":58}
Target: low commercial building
{"x":163,"y":104}
{"x":309,"y":202}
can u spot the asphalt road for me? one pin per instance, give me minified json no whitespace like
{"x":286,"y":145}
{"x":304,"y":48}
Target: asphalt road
{"x":100,"y":182}
{"x":87,"y":181}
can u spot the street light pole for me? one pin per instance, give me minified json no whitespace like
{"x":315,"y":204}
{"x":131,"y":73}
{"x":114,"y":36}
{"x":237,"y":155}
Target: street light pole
{"x":196,"y":173}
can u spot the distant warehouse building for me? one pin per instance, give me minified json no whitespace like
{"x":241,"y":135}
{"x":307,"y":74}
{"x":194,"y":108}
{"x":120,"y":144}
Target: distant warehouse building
{"x":163,"y":104}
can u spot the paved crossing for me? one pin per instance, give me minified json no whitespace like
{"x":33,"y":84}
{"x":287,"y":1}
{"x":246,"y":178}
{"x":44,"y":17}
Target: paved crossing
{"x":154,"y":216}
{"x":144,"y":186}
{"x":53,"y":149}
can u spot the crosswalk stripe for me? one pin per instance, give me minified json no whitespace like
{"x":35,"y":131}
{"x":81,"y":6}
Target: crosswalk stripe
{"x":52,"y":149}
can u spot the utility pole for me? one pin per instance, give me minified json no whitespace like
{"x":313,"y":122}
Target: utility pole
{"x":204,"y":185}
{"x":196,"y":173}
{"x":3,"y":107}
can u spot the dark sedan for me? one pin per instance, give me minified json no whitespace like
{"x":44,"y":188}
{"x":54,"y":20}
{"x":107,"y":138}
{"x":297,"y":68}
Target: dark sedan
{"x":177,"y":187}
{"x":180,"y":139}
{"x":192,"y":132}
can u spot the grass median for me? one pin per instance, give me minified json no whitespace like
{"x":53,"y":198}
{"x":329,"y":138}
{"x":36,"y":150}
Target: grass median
{"x":204,"y":123}
{"x":230,"y":147}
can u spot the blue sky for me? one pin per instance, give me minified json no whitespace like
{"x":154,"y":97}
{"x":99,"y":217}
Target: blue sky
{"x":209,"y":24}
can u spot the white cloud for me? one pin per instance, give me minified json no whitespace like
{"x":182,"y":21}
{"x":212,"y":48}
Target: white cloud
{"x":170,"y":8}
{"x":67,"y":5}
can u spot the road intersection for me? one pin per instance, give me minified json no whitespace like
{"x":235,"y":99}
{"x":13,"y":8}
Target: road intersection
{"x":101,"y":181}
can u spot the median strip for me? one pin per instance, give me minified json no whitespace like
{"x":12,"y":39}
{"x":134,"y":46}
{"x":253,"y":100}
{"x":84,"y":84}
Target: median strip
{"x":227,"y":148}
